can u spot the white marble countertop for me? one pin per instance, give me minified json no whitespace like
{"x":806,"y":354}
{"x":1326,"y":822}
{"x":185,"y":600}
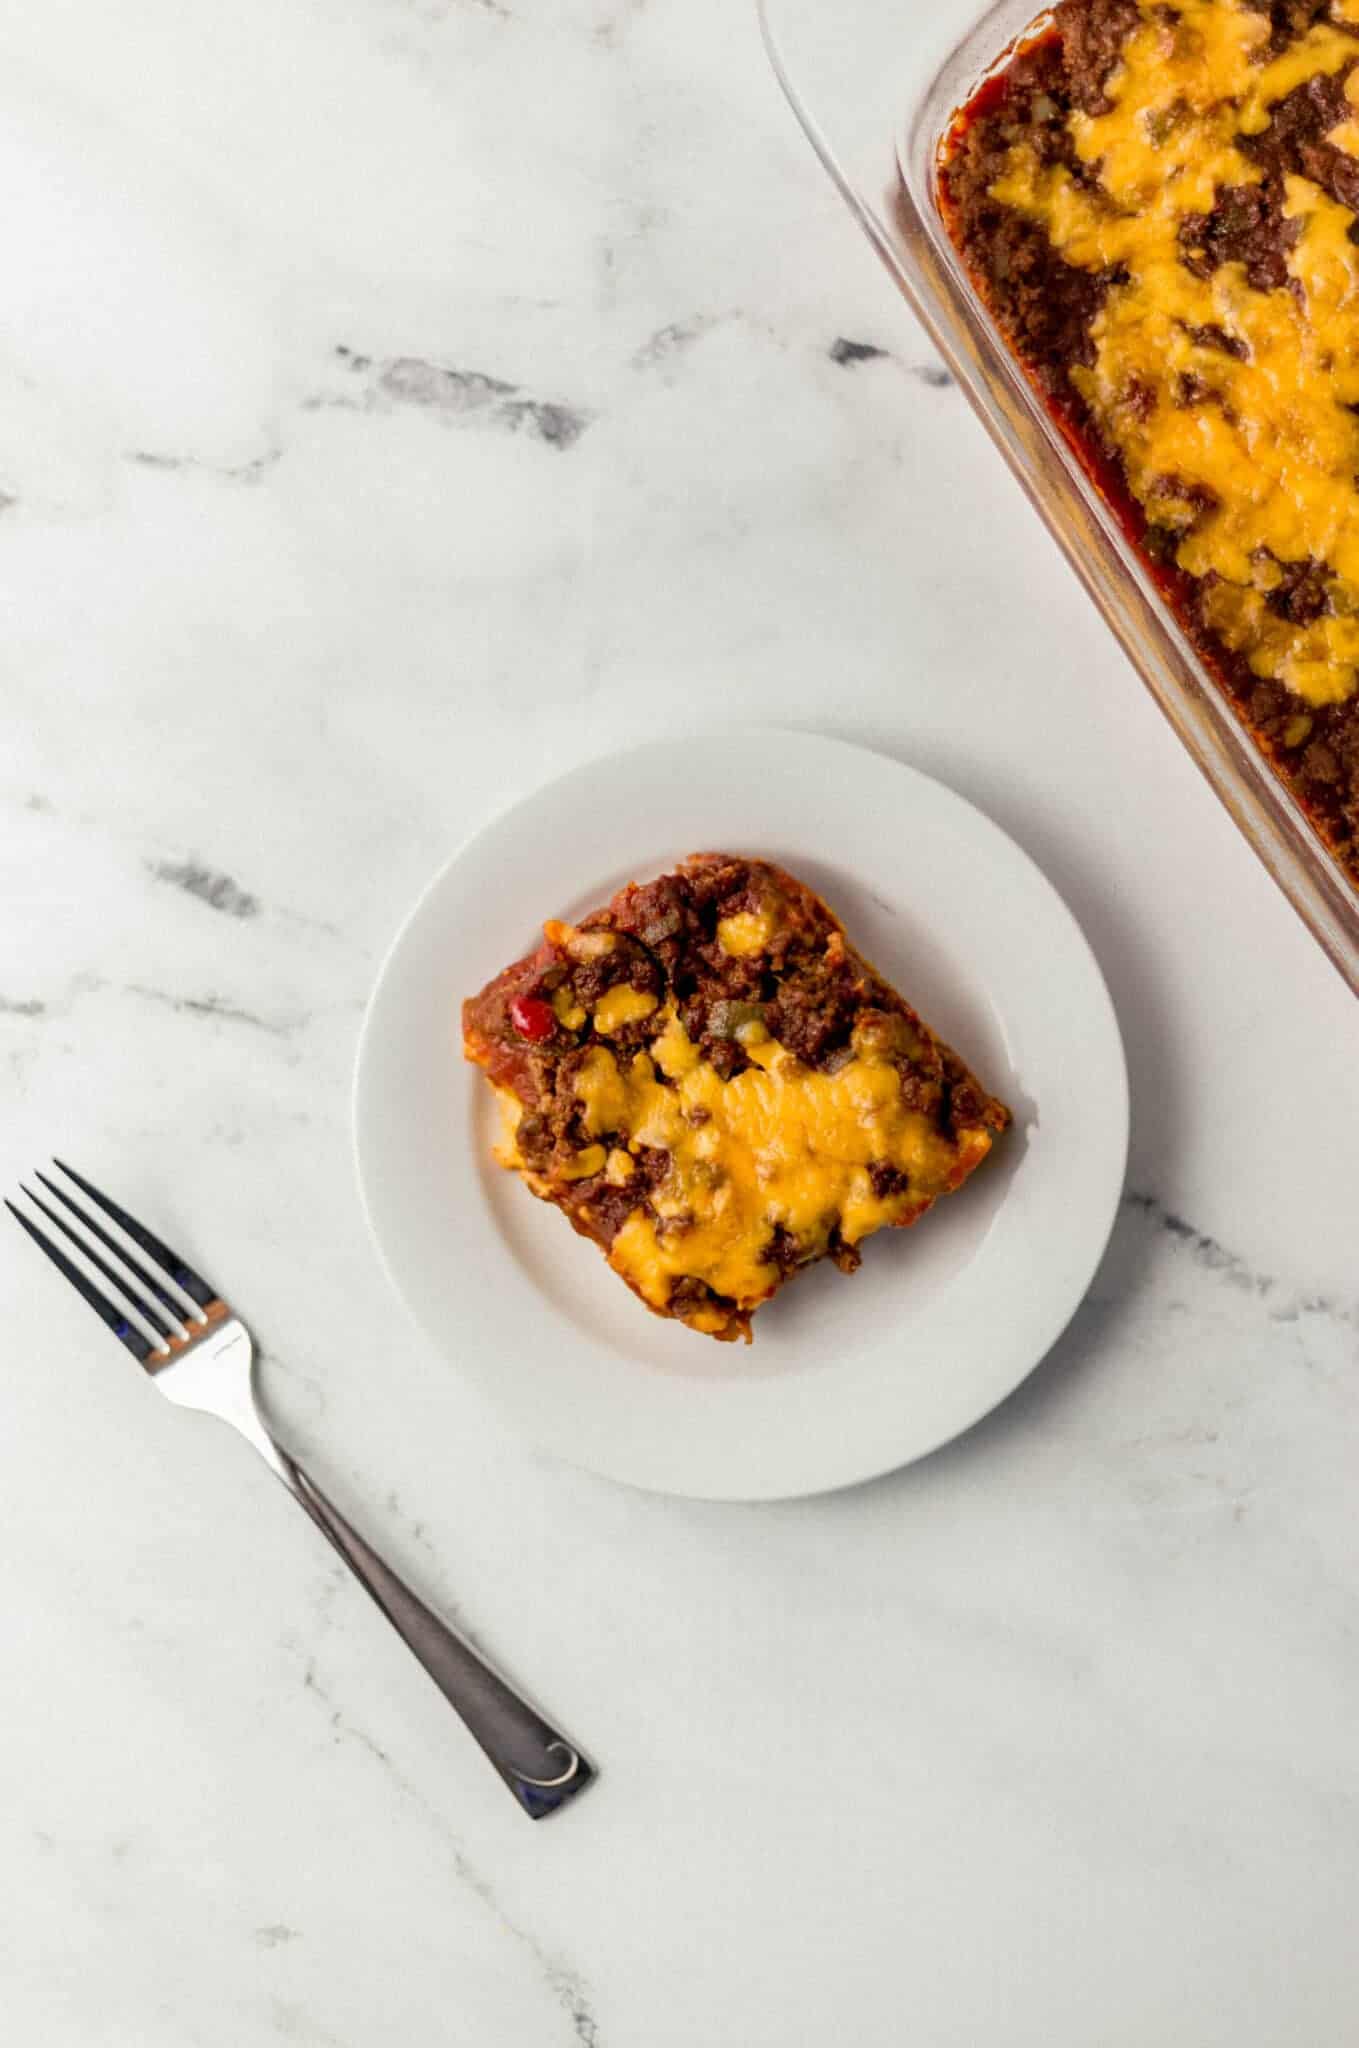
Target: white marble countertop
{"x":402,"y":399}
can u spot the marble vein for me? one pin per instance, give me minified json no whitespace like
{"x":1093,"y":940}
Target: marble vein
{"x":276,"y":1935}
{"x":847,"y":353}
{"x":564,"y":1983}
{"x":419,"y":1534}
{"x":219,"y":1008}
{"x":672,"y":340}
{"x":212,"y":1005}
{"x":248,"y":472}
{"x":218,"y":890}
{"x":1206,"y":1252}
{"x":378,"y":384}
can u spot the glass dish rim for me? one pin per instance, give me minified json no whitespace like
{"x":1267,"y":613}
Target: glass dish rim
{"x":906,"y":231}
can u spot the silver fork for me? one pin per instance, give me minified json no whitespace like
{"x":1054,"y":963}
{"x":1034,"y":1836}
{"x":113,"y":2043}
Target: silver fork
{"x":202,"y":1356}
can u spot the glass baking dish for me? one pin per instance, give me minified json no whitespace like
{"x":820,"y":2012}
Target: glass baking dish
{"x":874,"y":83}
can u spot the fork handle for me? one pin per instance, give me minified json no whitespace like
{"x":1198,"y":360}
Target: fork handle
{"x":541,"y":1768}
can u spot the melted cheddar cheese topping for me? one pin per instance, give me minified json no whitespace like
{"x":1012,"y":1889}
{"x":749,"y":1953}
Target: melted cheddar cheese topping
{"x":1261,"y":471}
{"x":779,"y":1144}
{"x":745,"y":933}
{"x":622,"y":1005}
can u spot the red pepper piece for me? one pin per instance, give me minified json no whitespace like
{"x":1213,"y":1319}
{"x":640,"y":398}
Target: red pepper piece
{"x":532,"y":1018}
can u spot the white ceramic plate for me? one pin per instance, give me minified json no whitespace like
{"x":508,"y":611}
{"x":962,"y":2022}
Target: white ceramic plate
{"x":846,"y":1378}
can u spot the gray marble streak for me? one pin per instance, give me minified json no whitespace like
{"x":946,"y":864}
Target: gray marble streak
{"x":251,"y":471}
{"x":219,"y":891}
{"x":848,"y":353}
{"x":565,"y":1984}
{"x":451,"y":394}
{"x":672,"y":340}
{"x":276,"y":1934}
{"x":210,"y":1006}
{"x":219,"y":1009}
{"x":1202,"y":1249}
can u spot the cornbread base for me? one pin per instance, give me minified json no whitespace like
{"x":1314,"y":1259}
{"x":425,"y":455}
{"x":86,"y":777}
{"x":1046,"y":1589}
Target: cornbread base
{"x":713,"y":1086}
{"x":1156,"y":204}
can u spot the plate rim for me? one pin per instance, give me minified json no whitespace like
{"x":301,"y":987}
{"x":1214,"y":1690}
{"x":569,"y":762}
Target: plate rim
{"x":1052,"y":1328}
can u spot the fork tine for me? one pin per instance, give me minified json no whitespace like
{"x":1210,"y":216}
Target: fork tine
{"x":183,"y":1275}
{"x":127,"y":1333}
{"x":143,"y":1307}
{"x":148,"y":1279}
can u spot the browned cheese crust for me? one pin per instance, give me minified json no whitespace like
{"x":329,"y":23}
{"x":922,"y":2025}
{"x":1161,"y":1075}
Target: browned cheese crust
{"x":1268,"y":600}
